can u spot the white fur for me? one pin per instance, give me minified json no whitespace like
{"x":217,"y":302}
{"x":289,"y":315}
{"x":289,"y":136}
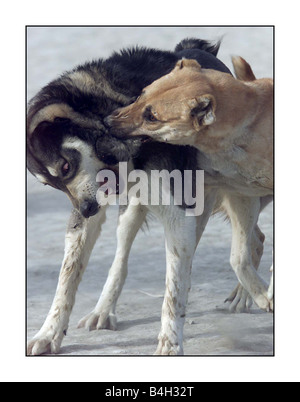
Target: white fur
{"x":244,"y":213}
{"x":182,"y":234}
{"x":103,"y":315}
{"x":78,"y":247}
{"x":52,"y":171}
{"x":41,"y":178}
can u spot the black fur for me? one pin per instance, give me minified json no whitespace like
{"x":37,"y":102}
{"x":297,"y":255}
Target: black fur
{"x":193,"y":43}
{"x":141,"y":66}
{"x":123,"y":76}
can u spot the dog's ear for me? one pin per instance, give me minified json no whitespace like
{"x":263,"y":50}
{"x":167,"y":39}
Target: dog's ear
{"x":242,"y":69}
{"x":191,"y":63}
{"x":202,"y":111}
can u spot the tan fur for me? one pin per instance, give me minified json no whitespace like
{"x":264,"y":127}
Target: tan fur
{"x":231,"y":121}
{"x":228,"y":119}
{"x":51,"y":112}
{"x":242,"y":69}
{"x":181,"y":234}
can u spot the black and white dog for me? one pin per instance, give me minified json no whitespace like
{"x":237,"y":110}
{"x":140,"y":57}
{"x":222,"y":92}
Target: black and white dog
{"x":68,"y":144}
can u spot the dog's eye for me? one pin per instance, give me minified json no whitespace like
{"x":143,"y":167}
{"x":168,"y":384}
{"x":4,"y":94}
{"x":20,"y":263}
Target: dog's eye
{"x":149,"y":116}
{"x":65,"y":168}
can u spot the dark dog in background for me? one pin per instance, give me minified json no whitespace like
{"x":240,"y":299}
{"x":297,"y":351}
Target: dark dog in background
{"x":68,"y":144}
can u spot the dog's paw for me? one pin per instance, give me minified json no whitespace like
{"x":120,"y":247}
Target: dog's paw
{"x":168,"y":349}
{"x":239,"y":300}
{"x":95,"y":320}
{"x":169,"y":343}
{"x":44,"y":344}
{"x":264,"y":303}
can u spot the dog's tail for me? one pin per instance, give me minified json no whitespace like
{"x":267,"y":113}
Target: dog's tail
{"x":193,"y":43}
{"x":242,"y":69}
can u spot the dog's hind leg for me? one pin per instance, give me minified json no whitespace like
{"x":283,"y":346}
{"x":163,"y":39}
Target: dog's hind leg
{"x":243,"y":213}
{"x":240,"y":300}
{"x":79,"y":241}
{"x":104,"y":315}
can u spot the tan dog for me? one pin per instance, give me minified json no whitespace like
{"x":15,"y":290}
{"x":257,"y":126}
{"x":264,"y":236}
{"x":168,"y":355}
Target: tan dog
{"x":229,"y":120}
{"x":226,"y":118}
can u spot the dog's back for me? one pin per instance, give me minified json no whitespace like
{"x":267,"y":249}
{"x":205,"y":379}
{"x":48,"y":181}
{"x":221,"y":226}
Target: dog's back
{"x":203,"y":51}
{"x":92,"y":91}
{"x":137,"y":63}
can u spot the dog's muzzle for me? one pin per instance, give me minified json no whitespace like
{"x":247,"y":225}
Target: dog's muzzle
{"x":89,"y":208}
{"x":115,"y":126}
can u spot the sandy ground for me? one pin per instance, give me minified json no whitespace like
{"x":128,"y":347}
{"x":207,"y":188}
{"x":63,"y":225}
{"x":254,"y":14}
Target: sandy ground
{"x":210,"y":329}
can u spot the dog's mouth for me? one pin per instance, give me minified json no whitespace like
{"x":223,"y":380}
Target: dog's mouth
{"x":109,"y":183}
{"x":145,"y":138}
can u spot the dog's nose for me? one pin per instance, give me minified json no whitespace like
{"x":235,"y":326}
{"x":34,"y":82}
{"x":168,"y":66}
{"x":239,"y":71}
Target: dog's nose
{"x":89,"y":208}
{"x":108,"y":121}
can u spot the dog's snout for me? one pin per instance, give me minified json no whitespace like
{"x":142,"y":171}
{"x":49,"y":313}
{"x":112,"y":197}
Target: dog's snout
{"x":89,"y":208}
{"x":107,"y":121}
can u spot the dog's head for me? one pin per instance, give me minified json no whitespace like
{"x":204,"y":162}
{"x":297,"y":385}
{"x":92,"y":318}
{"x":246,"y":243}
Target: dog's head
{"x":66,"y":148}
{"x":171,"y":108}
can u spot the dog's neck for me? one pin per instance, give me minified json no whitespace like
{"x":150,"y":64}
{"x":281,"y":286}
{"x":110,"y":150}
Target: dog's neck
{"x":240,"y":143}
{"x":239,"y":107}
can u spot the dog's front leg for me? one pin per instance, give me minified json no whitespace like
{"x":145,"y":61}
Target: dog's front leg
{"x":179,"y":265}
{"x":182,"y":238}
{"x":103,"y":316}
{"x":79,"y":242}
